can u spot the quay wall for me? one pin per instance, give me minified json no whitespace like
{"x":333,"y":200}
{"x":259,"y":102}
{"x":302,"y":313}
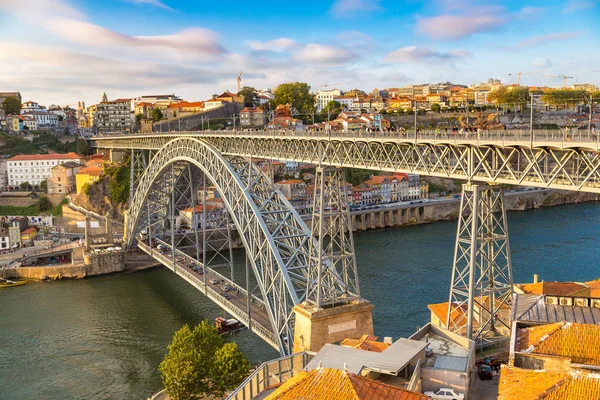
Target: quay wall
{"x":99,"y":264}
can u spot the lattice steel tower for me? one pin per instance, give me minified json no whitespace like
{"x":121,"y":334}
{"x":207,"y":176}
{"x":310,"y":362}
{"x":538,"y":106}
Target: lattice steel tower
{"x":482,"y":284}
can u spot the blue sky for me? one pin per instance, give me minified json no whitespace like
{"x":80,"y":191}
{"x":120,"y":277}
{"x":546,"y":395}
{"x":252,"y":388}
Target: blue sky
{"x":63,"y":51}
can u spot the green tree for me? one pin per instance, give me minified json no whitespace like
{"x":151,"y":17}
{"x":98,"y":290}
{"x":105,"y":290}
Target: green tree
{"x":445,"y":109}
{"x":297,"y":94}
{"x":11,"y":105}
{"x":230,"y":368}
{"x":331,"y":110}
{"x":138,"y":118}
{"x":25,"y":185}
{"x":156,"y":114}
{"x":119,"y":183}
{"x":44,"y":185}
{"x":199,"y":363}
{"x":422,"y":111}
{"x":357,"y":176}
{"x":82,"y":147}
{"x":249,"y":94}
{"x":44,"y":204}
{"x":410,"y":111}
{"x":435,"y":107}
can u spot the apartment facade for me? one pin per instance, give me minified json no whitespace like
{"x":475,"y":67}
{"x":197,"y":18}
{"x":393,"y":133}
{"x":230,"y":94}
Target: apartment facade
{"x":36,"y":168}
{"x":113,"y":116}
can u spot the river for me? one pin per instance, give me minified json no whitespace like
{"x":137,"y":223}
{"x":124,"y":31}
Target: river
{"x":103,"y":338}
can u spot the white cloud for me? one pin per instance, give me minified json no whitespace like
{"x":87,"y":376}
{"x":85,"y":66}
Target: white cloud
{"x":323,"y":54}
{"x":457,"y":26}
{"x":541,"y":62}
{"x":346,"y":8}
{"x":535,"y":40}
{"x":281,"y":44}
{"x":156,"y":3}
{"x":419,"y":54}
{"x":578,"y":5}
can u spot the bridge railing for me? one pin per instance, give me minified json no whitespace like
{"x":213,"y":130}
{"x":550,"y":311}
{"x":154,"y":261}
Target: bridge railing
{"x":271,"y":374}
{"x":436,"y":135}
{"x":194,"y":279}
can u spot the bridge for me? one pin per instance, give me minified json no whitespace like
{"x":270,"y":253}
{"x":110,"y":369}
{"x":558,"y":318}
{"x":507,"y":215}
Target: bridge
{"x":299,"y":273}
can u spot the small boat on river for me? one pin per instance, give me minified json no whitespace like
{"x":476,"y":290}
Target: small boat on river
{"x":227,"y":326}
{"x":4,"y":283}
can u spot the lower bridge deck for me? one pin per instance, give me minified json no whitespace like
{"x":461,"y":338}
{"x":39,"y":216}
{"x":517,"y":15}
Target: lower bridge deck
{"x":251,"y":313}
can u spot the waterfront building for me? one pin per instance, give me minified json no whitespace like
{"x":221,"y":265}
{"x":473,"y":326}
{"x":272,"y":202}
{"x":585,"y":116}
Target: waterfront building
{"x":195,"y":217}
{"x":62,"y":180}
{"x":28,"y":235}
{"x":325,"y":96}
{"x":87,"y":176}
{"x":113,"y":116}
{"x":36,"y":168}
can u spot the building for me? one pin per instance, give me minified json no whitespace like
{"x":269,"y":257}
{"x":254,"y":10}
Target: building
{"x":87,"y":176}
{"x":43,"y":119}
{"x":17,"y":225}
{"x":4,"y":95}
{"x":295,"y":191}
{"x":28,"y":235}
{"x":588,"y":87}
{"x":195,"y":217}
{"x":382,"y":187}
{"x":213,"y":103}
{"x":252,"y":116}
{"x":330,"y":383}
{"x":113,"y":116}
{"x":62,"y":180}
{"x":228,"y":97}
{"x":36,"y":168}
{"x":325,"y":96}
{"x":31,"y":106}
{"x":182,"y":109}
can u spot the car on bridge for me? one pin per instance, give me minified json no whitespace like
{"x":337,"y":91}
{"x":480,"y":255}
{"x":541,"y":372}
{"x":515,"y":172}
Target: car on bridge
{"x":214,"y":281}
{"x":444,"y":394}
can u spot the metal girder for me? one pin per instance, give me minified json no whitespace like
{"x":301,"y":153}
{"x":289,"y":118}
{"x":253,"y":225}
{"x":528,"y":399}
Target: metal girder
{"x":552,"y":164}
{"x":274,"y":236}
{"x":481,"y":285}
{"x":333,"y":278}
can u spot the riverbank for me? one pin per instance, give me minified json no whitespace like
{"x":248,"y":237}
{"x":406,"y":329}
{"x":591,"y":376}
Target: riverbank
{"x":435,"y":211}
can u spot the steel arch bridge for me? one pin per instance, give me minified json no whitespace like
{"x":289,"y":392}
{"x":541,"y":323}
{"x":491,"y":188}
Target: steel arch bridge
{"x":481,"y":283}
{"x":279,"y":246}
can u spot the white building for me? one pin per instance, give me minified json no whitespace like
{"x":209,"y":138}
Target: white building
{"x":36,"y":168}
{"x":325,"y":96}
{"x":43,"y":119}
{"x":30,"y":106}
{"x":3,"y":174}
{"x":57,"y":111}
{"x":4,"y":240}
{"x":345,"y":102}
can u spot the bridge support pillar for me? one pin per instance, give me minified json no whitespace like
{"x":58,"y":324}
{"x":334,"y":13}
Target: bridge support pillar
{"x":481,"y":286}
{"x":314,"y":327}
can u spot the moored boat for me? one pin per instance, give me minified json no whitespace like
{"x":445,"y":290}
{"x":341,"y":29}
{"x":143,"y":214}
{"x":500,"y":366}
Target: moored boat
{"x":226,"y":326}
{"x":10,"y":283}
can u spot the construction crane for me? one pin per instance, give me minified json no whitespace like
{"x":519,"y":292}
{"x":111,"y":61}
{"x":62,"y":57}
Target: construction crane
{"x":564,"y":77}
{"x":519,"y":76}
{"x":239,"y":81}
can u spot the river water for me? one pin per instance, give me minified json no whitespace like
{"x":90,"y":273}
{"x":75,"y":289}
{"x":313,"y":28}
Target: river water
{"x":103,"y":338}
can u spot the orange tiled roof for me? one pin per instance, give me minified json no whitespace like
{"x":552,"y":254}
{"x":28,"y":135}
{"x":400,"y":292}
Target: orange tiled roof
{"x":579,"y":342}
{"x":29,"y":231}
{"x":93,"y":171}
{"x":441,"y":311}
{"x":289,"y":182}
{"x":594,"y":287}
{"x":553,"y":288}
{"x":200,"y":208}
{"x":517,"y":383}
{"x":38,"y":157}
{"x":326,"y":383}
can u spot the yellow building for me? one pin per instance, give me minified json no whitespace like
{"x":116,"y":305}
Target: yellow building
{"x":87,"y":175}
{"x":28,"y":235}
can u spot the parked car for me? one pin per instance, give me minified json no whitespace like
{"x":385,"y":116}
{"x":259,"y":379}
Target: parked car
{"x":485,"y":372}
{"x":214,"y":281}
{"x":445,"y":394}
{"x":226,"y":296}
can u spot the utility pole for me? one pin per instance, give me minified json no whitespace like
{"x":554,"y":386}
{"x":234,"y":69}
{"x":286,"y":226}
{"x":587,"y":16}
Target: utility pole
{"x":531,"y":122}
{"x":415,"y":121}
{"x":590,"y":117}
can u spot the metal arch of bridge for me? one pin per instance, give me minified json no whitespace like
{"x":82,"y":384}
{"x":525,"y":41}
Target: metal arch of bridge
{"x":276,"y":240}
{"x":549,"y":163}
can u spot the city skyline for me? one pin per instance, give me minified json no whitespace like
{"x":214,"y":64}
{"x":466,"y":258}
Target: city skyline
{"x":63,"y":51}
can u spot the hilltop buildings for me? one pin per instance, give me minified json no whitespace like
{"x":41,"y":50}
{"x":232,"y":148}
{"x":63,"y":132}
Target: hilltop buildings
{"x":36,"y":168}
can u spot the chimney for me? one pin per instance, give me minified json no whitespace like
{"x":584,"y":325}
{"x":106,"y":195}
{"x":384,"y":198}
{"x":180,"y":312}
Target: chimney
{"x":535,"y":278}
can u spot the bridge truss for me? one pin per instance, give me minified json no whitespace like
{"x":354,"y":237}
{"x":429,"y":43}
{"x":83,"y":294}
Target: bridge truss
{"x":280,"y":248}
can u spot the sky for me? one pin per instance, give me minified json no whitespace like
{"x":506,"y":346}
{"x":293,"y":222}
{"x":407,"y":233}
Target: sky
{"x":64,"y":51}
